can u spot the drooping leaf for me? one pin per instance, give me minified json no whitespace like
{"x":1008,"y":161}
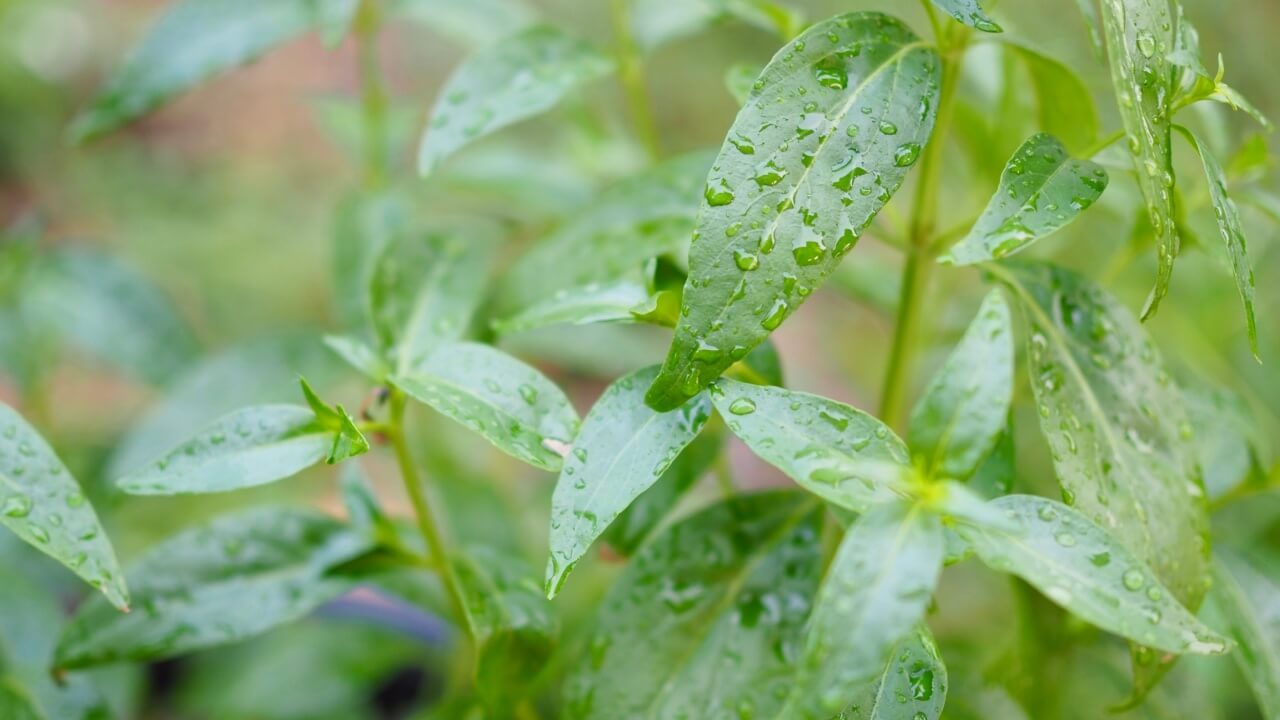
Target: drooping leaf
{"x":511,"y":404}
{"x":875,"y":592}
{"x":832,"y":450}
{"x":42,"y":504}
{"x":1041,"y":190}
{"x":657,"y":22}
{"x":624,"y":446}
{"x":191,"y":42}
{"x":476,"y":22}
{"x":594,"y":303}
{"x":251,"y":446}
{"x":1081,"y":567}
{"x":1139,"y":37}
{"x":912,"y":685}
{"x":1231,"y":229}
{"x":740,"y":79}
{"x":823,"y":143}
{"x":970,"y":13}
{"x":958,"y":420}
{"x":231,"y":579}
{"x":1064,"y":103}
{"x":1115,"y":423}
{"x":707,"y":618}
{"x":1246,"y":592}
{"x":505,"y":83}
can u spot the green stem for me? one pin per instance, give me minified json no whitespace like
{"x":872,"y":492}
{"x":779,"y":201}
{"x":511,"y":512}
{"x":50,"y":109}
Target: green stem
{"x":1102,"y":144}
{"x":631,"y":72}
{"x":373,"y":94}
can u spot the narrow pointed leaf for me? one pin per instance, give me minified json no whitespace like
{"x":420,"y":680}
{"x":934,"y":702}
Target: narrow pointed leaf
{"x":1115,"y":423}
{"x":503,"y":84}
{"x":42,"y":504}
{"x":832,"y":450}
{"x":511,"y":404}
{"x":1246,"y":593}
{"x":593,"y":303}
{"x":231,"y":579}
{"x":707,"y":618}
{"x":251,"y":446}
{"x":477,"y":23}
{"x":1064,"y":103}
{"x":912,"y":685}
{"x":958,"y":420}
{"x":970,"y":13}
{"x":1041,"y":190}
{"x":823,"y":143}
{"x":875,"y":592}
{"x":1231,"y":229}
{"x":623,"y":448}
{"x":1081,"y":567}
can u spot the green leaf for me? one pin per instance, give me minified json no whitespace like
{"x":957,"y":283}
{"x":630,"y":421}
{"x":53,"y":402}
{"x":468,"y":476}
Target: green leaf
{"x":1227,"y":437}
{"x":995,"y":476}
{"x":476,"y":22}
{"x":970,"y":13}
{"x":15,"y":703}
{"x":511,"y":404}
{"x":740,"y":80}
{"x":707,"y":618}
{"x":348,"y":441}
{"x":1231,"y":229}
{"x":657,"y":22}
{"x":761,"y":366}
{"x":1041,"y":190}
{"x":875,"y":592}
{"x":802,"y":173}
{"x":191,"y":42}
{"x":1193,"y":80}
{"x":912,"y":685}
{"x":592,"y":303}
{"x":45,"y":507}
{"x":236,"y":577}
{"x":425,"y":288}
{"x":510,"y":81}
{"x":832,"y":450}
{"x":364,"y":225}
{"x":1246,"y":591}
{"x":958,"y":420}
{"x":359,"y":356}
{"x":1140,"y":36}
{"x":1079,"y":566}
{"x":1089,"y":13}
{"x":249,"y":447}
{"x":1064,"y":103}
{"x":622,"y":449}
{"x":1115,"y":423}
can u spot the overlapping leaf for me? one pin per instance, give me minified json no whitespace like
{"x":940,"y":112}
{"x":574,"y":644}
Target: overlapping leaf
{"x":613,"y":302}
{"x":1064,"y":103}
{"x":912,"y":685}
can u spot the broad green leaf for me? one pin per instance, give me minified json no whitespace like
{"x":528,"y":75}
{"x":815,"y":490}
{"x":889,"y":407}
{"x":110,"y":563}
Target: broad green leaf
{"x":875,"y":592}
{"x":45,"y":507}
{"x":511,"y":404}
{"x":193,"y":41}
{"x":832,"y":450}
{"x":740,"y":79}
{"x":594,"y":303}
{"x":1064,"y":103}
{"x":624,"y":446}
{"x":958,"y":420}
{"x":520,"y":77}
{"x":1231,"y":229}
{"x":475,"y":22}
{"x":912,"y":685}
{"x":1041,"y":190}
{"x":1140,"y":36}
{"x":425,"y":288}
{"x":657,"y":22}
{"x":823,"y":143}
{"x":249,"y":447}
{"x":970,"y":13}
{"x":708,"y":618}
{"x":1115,"y":424}
{"x":1227,"y":437}
{"x":1246,"y":592}
{"x":236,"y":577}
{"x":640,"y":218}
{"x":995,"y":476}
{"x":1081,"y":567}
{"x":364,"y":225}
{"x":359,"y":356}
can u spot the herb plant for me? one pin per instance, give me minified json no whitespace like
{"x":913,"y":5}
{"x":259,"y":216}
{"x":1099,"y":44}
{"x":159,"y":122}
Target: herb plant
{"x":860,"y":585}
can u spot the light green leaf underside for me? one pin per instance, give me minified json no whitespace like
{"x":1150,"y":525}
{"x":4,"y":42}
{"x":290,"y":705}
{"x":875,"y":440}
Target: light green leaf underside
{"x":706,"y":619}
{"x":958,"y":420}
{"x":1079,"y":566}
{"x":1246,"y":593}
{"x":44,"y":506}
{"x":505,"y":83}
{"x":477,"y":23}
{"x":511,"y":404}
{"x":830,"y":130}
{"x":595,"y":303}
{"x":1042,"y":189}
{"x":832,"y":450}
{"x":970,"y":13}
{"x":657,"y":22}
{"x":251,"y":446}
{"x":359,"y":356}
{"x":913,"y":684}
{"x":623,"y":448}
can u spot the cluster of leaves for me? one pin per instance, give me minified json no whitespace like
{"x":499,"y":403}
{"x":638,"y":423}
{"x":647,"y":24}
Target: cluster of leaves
{"x":808,"y":602}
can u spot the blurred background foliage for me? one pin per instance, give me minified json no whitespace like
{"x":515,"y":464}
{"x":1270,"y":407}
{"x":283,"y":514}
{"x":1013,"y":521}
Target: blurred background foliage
{"x":224,"y":202}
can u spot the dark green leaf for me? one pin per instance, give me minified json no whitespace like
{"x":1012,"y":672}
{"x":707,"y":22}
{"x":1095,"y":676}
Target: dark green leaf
{"x":970,"y":13}
{"x":42,"y":504}
{"x":1041,"y":190}
{"x":994,"y":477}
{"x":593,"y":303}
{"x":622,"y":449}
{"x":474,"y":22}
{"x":1064,"y":103}
{"x":656,"y":22}
{"x":913,"y":684}
{"x":510,"y":81}
{"x":823,"y":143}
{"x":761,"y":366}
{"x":15,"y":703}
{"x":1246,"y":592}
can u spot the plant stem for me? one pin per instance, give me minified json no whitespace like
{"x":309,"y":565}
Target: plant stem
{"x":1102,"y":144}
{"x":631,"y":72}
{"x":373,"y":94}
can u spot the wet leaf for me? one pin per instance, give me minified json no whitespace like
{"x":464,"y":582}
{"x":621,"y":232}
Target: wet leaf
{"x":912,"y":685}
{"x":1246,"y":592}
{"x":44,"y":506}
{"x":825,"y":140}
{"x":593,"y":303}
{"x":623,"y":448}
{"x":1041,"y":190}
{"x":520,"y":77}
{"x":995,"y":476}
{"x":970,"y":13}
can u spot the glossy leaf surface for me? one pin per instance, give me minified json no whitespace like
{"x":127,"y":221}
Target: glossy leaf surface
{"x":593,"y":303}
{"x":970,"y":13}
{"x":912,"y":685}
